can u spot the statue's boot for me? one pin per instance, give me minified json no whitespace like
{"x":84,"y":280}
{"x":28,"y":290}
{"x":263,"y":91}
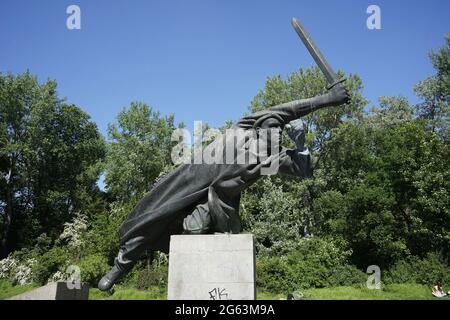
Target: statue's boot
{"x":108,"y":280}
{"x":129,"y":254}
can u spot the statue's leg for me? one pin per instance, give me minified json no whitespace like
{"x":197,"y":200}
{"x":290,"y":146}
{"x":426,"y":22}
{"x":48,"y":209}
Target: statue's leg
{"x":129,"y":254}
{"x":199,"y":221}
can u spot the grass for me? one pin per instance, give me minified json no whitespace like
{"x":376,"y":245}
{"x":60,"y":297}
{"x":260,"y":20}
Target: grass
{"x":263,"y":295}
{"x":388,"y":292}
{"x":8,"y":290}
{"x":122,"y":293}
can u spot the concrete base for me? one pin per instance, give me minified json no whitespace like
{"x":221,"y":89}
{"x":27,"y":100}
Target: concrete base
{"x":55,"y":291}
{"x":212,"y":267}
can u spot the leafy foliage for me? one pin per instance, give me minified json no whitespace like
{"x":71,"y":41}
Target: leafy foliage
{"x":54,"y":260}
{"x":273,"y":216}
{"x":139,"y":149}
{"x":429,"y":270}
{"x":50,"y":159}
{"x":17,"y":271}
{"x":93,"y":268}
{"x":435,"y":93}
{"x":149,"y":273}
{"x":314,"y":263}
{"x":388,"y":192}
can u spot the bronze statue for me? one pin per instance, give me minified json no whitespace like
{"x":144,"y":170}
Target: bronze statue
{"x":204,"y":198}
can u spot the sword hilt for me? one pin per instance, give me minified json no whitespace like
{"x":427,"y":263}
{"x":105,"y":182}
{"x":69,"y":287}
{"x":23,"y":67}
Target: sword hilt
{"x":338,"y":81}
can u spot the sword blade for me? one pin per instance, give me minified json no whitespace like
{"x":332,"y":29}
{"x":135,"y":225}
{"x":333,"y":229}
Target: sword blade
{"x":329,"y":73}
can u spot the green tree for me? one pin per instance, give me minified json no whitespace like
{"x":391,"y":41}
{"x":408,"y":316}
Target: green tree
{"x":273,"y":216}
{"x":139,"y":150}
{"x":435,"y":93}
{"x":388,"y":191}
{"x":391,"y":112}
{"x":50,"y":160}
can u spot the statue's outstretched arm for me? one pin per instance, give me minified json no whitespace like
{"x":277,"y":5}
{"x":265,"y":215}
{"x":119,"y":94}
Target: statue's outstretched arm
{"x":299,"y":108}
{"x":284,"y":113}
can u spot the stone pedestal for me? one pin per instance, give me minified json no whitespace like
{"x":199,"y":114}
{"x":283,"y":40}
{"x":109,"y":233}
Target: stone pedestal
{"x":55,"y":291}
{"x":212,"y":267}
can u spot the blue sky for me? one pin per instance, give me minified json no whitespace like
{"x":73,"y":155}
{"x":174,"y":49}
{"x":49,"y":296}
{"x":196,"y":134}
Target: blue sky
{"x":206,"y":59}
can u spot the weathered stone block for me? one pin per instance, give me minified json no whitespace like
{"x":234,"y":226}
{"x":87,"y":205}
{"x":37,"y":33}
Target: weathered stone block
{"x":212,"y":267}
{"x":55,"y":291}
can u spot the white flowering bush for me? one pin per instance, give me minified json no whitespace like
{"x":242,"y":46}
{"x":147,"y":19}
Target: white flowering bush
{"x":6,"y":267}
{"x":23,"y":272}
{"x":58,"y":276}
{"x":72,"y":233}
{"x":19,"y":272}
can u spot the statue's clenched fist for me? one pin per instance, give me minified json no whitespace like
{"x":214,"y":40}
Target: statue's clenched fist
{"x":340,"y":94}
{"x":296,"y":131}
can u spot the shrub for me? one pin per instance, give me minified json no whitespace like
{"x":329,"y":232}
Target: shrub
{"x":73,"y":231}
{"x":17,"y":267}
{"x":145,"y":276}
{"x":274,"y":216}
{"x":102,"y":237}
{"x":272,"y":274}
{"x":428,"y":270}
{"x":152,"y":276}
{"x":54,"y":260}
{"x":6,"y":267}
{"x":23,"y":273}
{"x":93,"y":268}
{"x":346,"y":275}
{"x":315,"y":263}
